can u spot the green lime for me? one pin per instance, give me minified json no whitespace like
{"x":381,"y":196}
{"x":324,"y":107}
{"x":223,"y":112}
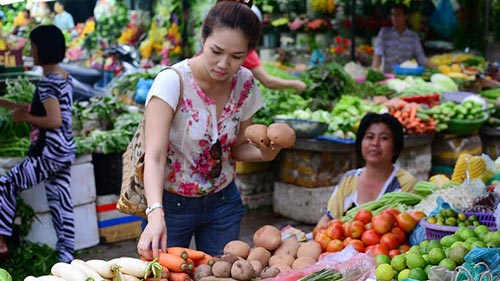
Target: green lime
{"x":479,"y":244}
{"x":447,"y":240}
{"x":414,"y":260}
{"x":493,"y":244}
{"x":472,"y":218}
{"x":428,"y":268}
{"x":451,"y":221}
{"x":417,"y":274}
{"x":398,"y":262}
{"x":415,"y":249}
{"x":384,"y":272}
{"x":450,"y":213}
{"x":382,"y":259}
{"x":431,"y":245}
{"x":436,"y":255}
{"x":403,"y":274}
{"x":461,"y":217}
{"x":448,"y":263}
{"x":467,"y":233}
{"x":458,"y":253}
{"x":431,"y":220}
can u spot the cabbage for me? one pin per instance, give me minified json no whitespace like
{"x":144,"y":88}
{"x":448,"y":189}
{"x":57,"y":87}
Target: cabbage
{"x":4,"y":275}
{"x":445,"y":82}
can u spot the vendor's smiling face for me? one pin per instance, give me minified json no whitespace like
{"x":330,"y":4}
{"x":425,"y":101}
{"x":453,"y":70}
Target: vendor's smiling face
{"x":377,"y":146}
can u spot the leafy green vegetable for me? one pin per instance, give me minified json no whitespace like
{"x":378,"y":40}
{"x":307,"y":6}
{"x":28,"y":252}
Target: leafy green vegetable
{"x":325,"y":84}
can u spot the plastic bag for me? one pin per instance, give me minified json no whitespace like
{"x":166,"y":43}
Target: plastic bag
{"x":491,"y":256}
{"x":443,"y":20}
{"x":349,"y":262}
{"x":439,"y":273}
{"x":473,"y":272}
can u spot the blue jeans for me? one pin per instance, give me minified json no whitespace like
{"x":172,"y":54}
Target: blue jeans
{"x":214,"y":219}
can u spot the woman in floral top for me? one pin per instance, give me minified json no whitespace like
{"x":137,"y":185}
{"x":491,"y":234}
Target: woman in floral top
{"x":191,"y":148}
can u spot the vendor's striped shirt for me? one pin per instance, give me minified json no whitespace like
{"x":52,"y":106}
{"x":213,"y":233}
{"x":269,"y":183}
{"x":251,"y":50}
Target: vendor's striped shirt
{"x":395,"y":48}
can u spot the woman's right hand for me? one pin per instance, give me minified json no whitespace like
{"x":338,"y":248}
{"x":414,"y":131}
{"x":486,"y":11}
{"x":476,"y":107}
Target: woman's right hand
{"x":154,"y":236}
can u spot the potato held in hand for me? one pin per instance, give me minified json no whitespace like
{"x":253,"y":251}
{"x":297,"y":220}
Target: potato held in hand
{"x":257,"y":134}
{"x":281,"y":134}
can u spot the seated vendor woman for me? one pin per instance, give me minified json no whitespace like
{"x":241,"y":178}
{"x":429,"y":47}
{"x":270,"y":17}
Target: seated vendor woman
{"x":379,"y":141}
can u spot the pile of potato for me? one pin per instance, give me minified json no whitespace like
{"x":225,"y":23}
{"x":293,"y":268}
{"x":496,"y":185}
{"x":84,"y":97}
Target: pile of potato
{"x":269,"y":257}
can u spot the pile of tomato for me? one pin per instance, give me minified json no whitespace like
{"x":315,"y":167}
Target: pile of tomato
{"x":385,"y":233}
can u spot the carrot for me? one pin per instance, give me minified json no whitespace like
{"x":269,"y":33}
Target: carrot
{"x":186,"y":253}
{"x":413,"y":110}
{"x":178,"y":276}
{"x":397,"y":114}
{"x":172,"y":262}
{"x":208,"y":259}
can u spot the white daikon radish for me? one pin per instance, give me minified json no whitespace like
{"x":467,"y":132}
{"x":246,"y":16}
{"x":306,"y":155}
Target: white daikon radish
{"x":103,"y":268}
{"x":87,"y":269}
{"x":47,"y":278}
{"x":125,"y":277}
{"x":130,"y":266}
{"x":68,"y":272}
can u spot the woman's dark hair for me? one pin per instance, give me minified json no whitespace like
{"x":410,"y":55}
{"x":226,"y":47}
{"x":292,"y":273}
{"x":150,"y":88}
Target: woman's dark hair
{"x":402,"y":7}
{"x":249,"y":3}
{"x":50,"y":43}
{"x":391,"y":122}
{"x":234,"y":15}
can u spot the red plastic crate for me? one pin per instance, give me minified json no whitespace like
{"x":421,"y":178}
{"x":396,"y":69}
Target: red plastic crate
{"x":430,"y":100}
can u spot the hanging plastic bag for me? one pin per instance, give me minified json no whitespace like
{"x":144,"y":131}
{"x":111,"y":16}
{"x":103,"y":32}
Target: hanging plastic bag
{"x":443,"y":20}
{"x":490,"y":256}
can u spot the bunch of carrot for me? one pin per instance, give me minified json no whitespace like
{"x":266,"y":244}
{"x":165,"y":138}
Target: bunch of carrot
{"x":181,"y":262}
{"x":414,"y":121}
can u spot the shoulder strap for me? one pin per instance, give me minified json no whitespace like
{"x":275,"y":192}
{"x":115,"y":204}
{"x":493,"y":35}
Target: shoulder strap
{"x":181,"y":86}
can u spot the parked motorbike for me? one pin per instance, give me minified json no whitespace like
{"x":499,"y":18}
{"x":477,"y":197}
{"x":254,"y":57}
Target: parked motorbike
{"x":85,"y":79}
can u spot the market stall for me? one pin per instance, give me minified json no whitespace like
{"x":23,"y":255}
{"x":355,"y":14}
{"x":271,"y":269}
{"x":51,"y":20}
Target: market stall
{"x":439,"y":230}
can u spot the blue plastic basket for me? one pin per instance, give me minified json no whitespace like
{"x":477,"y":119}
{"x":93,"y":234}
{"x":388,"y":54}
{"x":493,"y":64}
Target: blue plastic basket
{"x":417,"y":71}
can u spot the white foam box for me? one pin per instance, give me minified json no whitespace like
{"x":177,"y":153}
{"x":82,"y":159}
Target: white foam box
{"x":299,"y":203}
{"x":86,"y":231}
{"x":83,"y":189}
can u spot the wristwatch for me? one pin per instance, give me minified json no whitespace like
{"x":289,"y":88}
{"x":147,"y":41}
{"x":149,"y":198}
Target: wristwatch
{"x":151,"y":207}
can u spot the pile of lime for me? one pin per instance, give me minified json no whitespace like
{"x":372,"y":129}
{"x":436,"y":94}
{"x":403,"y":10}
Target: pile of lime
{"x":449,"y":252}
{"x":450,"y":217}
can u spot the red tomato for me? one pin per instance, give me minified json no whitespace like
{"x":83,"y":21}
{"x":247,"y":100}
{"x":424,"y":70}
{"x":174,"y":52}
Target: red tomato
{"x":346,"y":226}
{"x":370,"y":237}
{"x":406,"y":222}
{"x":400,"y":234}
{"x":317,"y":229}
{"x":403,"y":248}
{"x":358,"y":245}
{"x":369,"y":226}
{"x":382,"y":223}
{"x":335,"y":245}
{"x":335,"y":231}
{"x":356,"y":229}
{"x":390,"y":216}
{"x":417,"y":215}
{"x":393,"y":253}
{"x":365,"y":216}
{"x":323,"y":240}
{"x":347,"y":241}
{"x":379,"y":249}
{"x":389,"y":240}
{"x":393,"y":211}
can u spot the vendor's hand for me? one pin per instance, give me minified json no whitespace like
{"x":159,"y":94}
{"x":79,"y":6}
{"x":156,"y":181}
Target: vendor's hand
{"x":299,"y":86}
{"x":20,"y":114}
{"x":154,"y":236}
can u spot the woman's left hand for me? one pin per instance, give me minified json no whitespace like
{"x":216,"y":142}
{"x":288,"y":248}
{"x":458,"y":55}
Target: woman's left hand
{"x":269,"y":152}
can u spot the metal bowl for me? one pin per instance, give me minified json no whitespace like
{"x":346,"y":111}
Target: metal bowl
{"x":304,"y":128}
